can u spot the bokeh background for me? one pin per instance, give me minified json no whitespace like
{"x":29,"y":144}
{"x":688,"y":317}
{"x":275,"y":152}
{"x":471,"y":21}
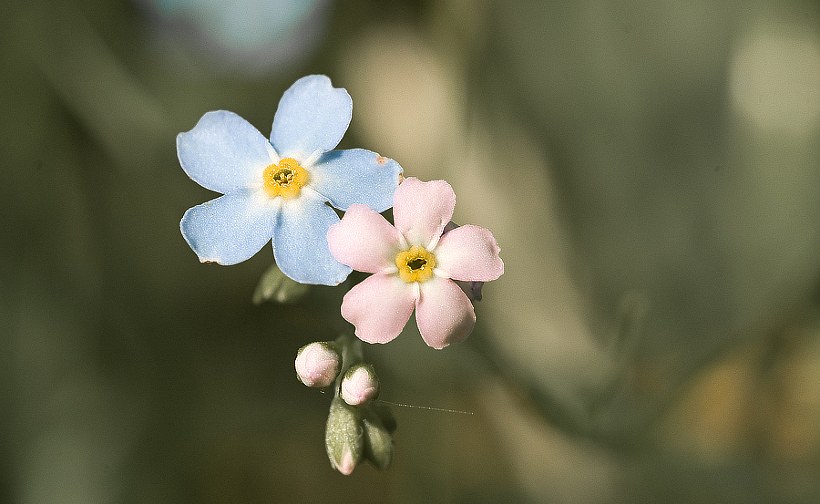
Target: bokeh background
{"x":650,"y":168}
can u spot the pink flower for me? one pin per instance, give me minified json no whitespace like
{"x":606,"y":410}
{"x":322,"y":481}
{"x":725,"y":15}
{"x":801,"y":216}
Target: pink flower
{"x":414,"y":265}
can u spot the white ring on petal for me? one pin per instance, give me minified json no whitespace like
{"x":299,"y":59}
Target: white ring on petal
{"x":300,"y":241}
{"x":422,"y":209}
{"x":224,"y":152}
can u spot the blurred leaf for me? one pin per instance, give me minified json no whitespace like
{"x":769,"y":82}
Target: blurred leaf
{"x":276,"y":287}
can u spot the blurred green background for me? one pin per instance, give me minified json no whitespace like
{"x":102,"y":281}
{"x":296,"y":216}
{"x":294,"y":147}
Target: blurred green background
{"x":650,"y":168}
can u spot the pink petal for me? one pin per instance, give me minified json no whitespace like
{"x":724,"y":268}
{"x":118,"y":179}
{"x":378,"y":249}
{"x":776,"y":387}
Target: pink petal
{"x":444,"y":314}
{"x":364,"y":240}
{"x":348,"y":463}
{"x":469,"y":253}
{"x":422,"y":209}
{"x":379,"y":307}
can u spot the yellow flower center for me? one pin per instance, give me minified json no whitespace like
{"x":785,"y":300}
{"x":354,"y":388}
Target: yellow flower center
{"x":415,"y":264}
{"x":284,"y":179}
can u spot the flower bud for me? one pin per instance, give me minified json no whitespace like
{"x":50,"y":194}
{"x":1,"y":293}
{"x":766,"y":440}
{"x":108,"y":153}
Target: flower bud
{"x":378,"y":443}
{"x":359,"y":385}
{"x":276,"y":287}
{"x":317,"y":364}
{"x":344,"y":440}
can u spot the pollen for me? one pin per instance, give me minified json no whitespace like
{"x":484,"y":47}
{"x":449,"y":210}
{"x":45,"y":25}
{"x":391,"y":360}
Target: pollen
{"x":284,"y":179}
{"x":415,"y":264}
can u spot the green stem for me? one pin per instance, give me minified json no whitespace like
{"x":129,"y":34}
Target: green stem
{"x":351,"y":350}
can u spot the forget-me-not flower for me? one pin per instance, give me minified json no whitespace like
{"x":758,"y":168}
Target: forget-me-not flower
{"x":415,"y":265}
{"x":283,"y":189}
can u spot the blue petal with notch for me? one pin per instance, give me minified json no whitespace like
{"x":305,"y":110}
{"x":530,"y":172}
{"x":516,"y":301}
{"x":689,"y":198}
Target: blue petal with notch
{"x":223,"y":152}
{"x":312,"y":116}
{"x":229,"y":229}
{"x":300,"y":242}
{"x":359,"y":176}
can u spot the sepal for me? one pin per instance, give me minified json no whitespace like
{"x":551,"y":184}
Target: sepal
{"x":344,"y":437}
{"x":276,"y":287}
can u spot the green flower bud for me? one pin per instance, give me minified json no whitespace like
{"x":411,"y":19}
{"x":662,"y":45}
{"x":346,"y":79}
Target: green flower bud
{"x":275,"y":286}
{"x":344,"y":439}
{"x":378,"y":443}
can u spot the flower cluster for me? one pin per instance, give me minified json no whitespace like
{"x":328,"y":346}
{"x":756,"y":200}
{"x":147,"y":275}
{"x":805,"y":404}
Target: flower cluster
{"x":279,"y":190}
{"x":358,"y":427}
{"x":284,"y":189}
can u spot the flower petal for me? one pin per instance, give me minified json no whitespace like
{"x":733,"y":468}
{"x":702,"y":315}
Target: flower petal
{"x":444,"y":314}
{"x":223,"y":152}
{"x":364,"y":240}
{"x":469,"y":253}
{"x":422,"y":209}
{"x":312,"y":116}
{"x":353,"y":176}
{"x":229,"y":229}
{"x":379,"y":307}
{"x":300,"y":242}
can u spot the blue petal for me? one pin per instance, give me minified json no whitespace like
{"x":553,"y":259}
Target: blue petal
{"x":223,"y":152}
{"x":300,"y":242}
{"x":312,"y":116}
{"x":356,"y":176}
{"x":229,"y":229}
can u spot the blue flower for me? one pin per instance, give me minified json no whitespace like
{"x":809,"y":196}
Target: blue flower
{"x":283,"y":189}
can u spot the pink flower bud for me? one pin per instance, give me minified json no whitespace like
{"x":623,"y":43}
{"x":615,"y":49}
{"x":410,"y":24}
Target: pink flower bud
{"x":359,"y":385}
{"x":317,"y":364}
{"x":344,"y":439}
{"x":347,"y":463}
